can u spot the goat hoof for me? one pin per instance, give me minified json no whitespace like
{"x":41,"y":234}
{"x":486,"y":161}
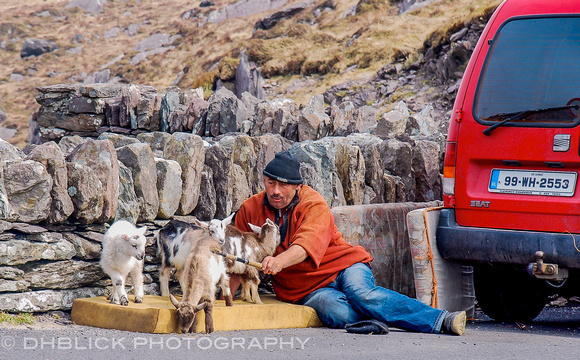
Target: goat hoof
{"x":124,"y":301}
{"x":138,"y":300}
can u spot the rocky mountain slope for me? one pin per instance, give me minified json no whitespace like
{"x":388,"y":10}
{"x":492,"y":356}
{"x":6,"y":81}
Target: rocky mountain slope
{"x":369,"y":52}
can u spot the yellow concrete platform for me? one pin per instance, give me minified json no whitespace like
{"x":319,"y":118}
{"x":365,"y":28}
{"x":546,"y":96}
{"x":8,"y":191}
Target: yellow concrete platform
{"x":157,"y":315}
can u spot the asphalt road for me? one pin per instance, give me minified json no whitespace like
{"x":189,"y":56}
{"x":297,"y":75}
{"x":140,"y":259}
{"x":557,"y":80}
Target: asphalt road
{"x":555,"y":334}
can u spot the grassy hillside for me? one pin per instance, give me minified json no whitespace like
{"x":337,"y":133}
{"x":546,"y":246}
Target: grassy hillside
{"x":327,"y":49}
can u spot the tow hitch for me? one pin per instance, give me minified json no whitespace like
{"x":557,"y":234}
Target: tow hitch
{"x":542,"y":270}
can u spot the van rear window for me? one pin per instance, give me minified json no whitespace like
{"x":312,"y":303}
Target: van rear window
{"x":532,"y":74}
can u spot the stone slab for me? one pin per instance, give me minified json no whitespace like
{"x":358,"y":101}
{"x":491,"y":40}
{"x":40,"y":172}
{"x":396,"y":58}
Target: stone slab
{"x":157,"y":315}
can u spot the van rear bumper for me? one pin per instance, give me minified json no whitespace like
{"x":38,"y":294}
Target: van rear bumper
{"x":472,"y":244}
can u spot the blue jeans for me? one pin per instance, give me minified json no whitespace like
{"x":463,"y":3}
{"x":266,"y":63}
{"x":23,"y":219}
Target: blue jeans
{"x":353,"y":296}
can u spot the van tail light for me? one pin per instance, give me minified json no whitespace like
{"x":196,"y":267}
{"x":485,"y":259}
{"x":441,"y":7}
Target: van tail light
{"x":449,"y":168}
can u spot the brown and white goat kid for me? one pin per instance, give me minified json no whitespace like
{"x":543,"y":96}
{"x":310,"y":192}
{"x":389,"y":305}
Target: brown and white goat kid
{"x":254,"y":246}
{"x":174,"y":243}
{"x":203,"y":270}
{"x":123,"y":253}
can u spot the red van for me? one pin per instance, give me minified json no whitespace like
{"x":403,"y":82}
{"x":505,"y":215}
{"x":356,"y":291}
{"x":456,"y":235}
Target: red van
{"x":512,"y":203}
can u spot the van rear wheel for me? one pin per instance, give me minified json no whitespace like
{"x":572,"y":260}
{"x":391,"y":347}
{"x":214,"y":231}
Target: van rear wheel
{"x":507,"y":294}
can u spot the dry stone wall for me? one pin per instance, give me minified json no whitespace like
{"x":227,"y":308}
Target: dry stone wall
{"x":103,"y":152}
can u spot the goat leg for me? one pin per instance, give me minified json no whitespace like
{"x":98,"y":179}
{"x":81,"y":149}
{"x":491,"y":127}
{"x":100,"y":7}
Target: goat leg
{"x":137,"y":276}
{"x":164,"y":279}
{"x":208,"y":317}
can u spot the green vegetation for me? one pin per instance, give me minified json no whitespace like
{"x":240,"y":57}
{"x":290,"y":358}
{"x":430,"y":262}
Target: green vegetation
{"x":17,"y":319}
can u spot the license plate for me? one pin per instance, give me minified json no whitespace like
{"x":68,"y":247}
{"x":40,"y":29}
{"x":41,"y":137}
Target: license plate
{"x":532,"y":182}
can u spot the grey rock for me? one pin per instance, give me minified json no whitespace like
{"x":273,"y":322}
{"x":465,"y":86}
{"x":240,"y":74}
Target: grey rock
{"x":13,"y":285}
{"x":397,"y":157}
{"x":219,"y":159}
{"x":128,"y":205}
{"x":156,"y":140}
{"x":374,"y":169}
{"x":36,"y":47}
{"x":85,"y":249}
{"x":46,"y":300}
{"x":9,"y":152}
{"x":394,"y":122}
{"x":156,"y":41}
{"x":78,"y":122}
{"x":169,"y":187}
{"x":28,"y":228}
{"x":92,"y":6}
{"x":102,"y":90}
{"x":28,"y":186}
{"x":118,"y":140}
{"x":249,"y":78}
{"x":68,"y":144}
{"x":5,"y":207}
{"x":427,"y":172}
{"x":244,"y":8}
{"x":342,"y":117}
{"x":83,"y":104}
{"x":206,"y":205}
{"x":130,"y":97}
{"x":189,"y":152}
{"x":68,"y":274}
{"x":139,"y":159}
{"x":101,"y":157}
{"x":272,"y":20}
{"x":16,"y":252}
{"x":196,"y":115}
{"x":112,"y":33}
{"x":86,"y":192}
{"x":50,"y":155}
{"x":11,"y":273}
{"x":226,"y":113}
{"x":169,"y":104}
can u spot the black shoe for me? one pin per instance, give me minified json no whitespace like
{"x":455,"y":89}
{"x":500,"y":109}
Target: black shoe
{"x":454,"y":323}
{"x":368,"y":327}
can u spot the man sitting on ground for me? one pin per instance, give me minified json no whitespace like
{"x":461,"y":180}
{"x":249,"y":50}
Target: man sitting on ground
{"x":316,"y":267}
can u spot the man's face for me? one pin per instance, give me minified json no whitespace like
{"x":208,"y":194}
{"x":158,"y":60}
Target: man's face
{"x":279,"y":194}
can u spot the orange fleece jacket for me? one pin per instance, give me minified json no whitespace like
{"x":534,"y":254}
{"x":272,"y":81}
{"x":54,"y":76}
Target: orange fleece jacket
{"x":311,"y":225}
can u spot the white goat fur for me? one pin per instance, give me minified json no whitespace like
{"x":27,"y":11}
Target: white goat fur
{"x":123,"y":253}
{"x":254,"y":246}
{"x":203,"y":270}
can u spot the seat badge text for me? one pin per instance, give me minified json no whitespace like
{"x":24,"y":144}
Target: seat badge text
{"x":477,"y":203}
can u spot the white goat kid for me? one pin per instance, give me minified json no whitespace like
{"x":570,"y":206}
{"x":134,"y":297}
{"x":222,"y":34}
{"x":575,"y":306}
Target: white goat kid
{"x":217,"y":228}
{"x":123,"y":253}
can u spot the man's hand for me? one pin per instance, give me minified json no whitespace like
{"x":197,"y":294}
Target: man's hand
{"x":271,"y":265}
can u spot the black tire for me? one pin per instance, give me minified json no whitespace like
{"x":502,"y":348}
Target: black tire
{"x":508,"y":295}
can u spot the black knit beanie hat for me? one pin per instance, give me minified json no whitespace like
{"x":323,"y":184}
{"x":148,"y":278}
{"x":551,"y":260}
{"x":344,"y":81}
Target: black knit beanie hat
{"x":284,"y":168}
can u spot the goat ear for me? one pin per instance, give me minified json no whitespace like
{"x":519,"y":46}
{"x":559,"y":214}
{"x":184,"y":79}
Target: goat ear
{"x":142,"y":230}
{"x":228,"y":220}
{"x":255,"y":229}
{"x":269,"y":222}
{"x":174,"y":301}
{"x":201,"y":224}
{"x":201,"y":306}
